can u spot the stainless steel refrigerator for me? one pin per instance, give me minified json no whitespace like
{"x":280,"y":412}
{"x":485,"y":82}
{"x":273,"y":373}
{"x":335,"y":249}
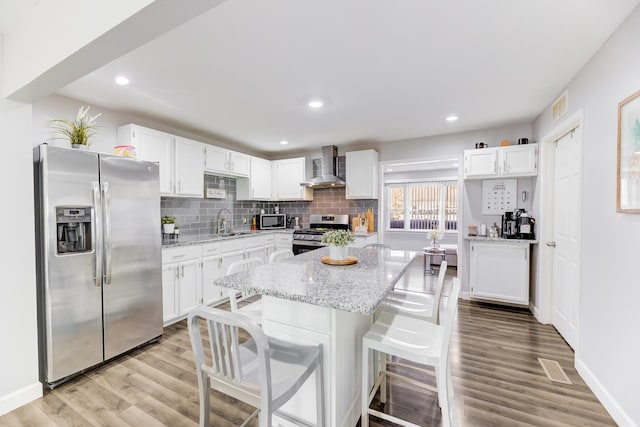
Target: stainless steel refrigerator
{"x":99,"y":258}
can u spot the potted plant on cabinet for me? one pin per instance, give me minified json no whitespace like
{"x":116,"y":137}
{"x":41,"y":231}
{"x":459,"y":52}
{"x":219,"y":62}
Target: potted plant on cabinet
{"x":78,"y":132}
{"x":338,"y":241}
{"x":168,"y":224}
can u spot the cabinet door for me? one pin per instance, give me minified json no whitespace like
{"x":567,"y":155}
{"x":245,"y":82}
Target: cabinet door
{"x":284,"y":241}
{"x":211,"y":270}
{"x":190,"y":286}
{"x":239,"y":164}
{"x":155,"y":146}
{"x":216,"y":159}
{"x":189,"y":169}
{"x":481,"y":163}
{"x":362,"y":174}
{"x":290,"y":173}
{"x":500,"y":272}
{"x":229,"y":258}
{"x":519,"y":160}
{"x":260,"y":179}
{"x":169,"y":301}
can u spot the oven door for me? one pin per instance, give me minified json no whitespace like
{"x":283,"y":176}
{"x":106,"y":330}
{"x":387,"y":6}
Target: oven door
{"x":302,"y":246}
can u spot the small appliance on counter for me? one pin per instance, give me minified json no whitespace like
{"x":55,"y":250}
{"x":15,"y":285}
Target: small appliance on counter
{"x":518,"y":225}
{"x":526,"y":226}
{"x":509,"y":226}
{"x":272,"y":221}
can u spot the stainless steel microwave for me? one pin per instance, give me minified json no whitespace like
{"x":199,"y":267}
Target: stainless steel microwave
{"x":271,"y":221}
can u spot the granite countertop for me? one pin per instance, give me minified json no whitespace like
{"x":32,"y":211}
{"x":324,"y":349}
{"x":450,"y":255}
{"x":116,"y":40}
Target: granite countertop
{"x":358,"y":288}
{"x":195,"y":240}
{"x":499,"y":240}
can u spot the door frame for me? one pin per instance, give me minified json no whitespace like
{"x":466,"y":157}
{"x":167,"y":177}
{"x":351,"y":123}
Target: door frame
{"x":544,"y":310}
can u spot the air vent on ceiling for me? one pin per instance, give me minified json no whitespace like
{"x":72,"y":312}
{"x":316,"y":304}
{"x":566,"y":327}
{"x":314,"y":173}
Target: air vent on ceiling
{"x":559,"y":107}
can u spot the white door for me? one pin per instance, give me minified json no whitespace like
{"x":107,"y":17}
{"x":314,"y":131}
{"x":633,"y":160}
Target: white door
{"x":190,"y":286}
{"x":157,"y":146}
{"x":216,"y":159}
{"x":290,"y":173}
{"x":239,"y":163}
{"x":211,"y":270}
{"x":189,"y":168}
{"x":567,"y":221}
{"x":260,"y":179}
{"x":169,"y":281}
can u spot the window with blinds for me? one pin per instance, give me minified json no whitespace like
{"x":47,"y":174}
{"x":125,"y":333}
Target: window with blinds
{"x":423,"y":205}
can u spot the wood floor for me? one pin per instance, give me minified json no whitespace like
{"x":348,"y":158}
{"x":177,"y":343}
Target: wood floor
{"x":497,"y":380}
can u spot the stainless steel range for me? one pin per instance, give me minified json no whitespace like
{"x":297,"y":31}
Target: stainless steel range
{"x":308,"y":239}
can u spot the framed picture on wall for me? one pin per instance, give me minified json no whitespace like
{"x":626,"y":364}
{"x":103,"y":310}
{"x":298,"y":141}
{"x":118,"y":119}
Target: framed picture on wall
{"x":628,"y":194}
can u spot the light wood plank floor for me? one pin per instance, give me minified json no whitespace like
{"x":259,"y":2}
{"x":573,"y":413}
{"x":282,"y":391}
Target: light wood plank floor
{"x":497,"y":379}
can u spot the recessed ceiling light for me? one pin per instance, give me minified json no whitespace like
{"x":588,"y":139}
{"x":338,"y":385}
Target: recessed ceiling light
{"x":284,"y":142}
{"x":315,"y":103}
{"x":452,"y":118}
{"x":122,"y":80}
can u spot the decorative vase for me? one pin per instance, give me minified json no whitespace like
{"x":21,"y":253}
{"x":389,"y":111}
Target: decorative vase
{"x":168,"y":228}
{"x":80,"y":146}
{"x":435,"y":244}
{"x":337,"y":253}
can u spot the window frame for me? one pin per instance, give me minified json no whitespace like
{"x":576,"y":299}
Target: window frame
{"x":406,"y":185}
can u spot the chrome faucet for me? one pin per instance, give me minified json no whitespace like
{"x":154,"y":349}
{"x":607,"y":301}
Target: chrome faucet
{"x":222,"y":222}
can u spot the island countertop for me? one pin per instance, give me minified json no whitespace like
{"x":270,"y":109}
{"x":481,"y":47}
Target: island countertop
{"x":357,"y":288}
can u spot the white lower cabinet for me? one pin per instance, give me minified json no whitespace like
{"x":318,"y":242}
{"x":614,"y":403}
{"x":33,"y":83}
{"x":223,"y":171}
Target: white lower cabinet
{"x":284,"y":241}
{"x":211,"y":270}
{"x":188,"y":272}
{"x":181,"y":281}
{"x":254,"y":248}
{"x":499,"y":272}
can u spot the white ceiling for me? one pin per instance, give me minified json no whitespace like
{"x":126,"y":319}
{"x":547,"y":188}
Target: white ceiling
{"x":389,"y":69}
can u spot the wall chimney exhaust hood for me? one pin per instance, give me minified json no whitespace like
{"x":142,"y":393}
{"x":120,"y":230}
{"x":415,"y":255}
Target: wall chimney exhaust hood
{"x":328,"y":178}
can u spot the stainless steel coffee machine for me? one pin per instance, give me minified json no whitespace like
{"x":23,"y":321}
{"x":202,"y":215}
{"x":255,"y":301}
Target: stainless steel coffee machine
{"x":509,"y":226}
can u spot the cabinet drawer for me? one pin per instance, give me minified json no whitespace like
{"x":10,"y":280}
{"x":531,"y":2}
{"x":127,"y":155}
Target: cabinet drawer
{"x":180,"y":254}
{"x":209,"y":249}
{"x":253,"y":242}
{"x":232,"y":245}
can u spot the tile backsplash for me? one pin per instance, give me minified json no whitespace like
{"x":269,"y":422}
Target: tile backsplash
{"x":197,"y":217}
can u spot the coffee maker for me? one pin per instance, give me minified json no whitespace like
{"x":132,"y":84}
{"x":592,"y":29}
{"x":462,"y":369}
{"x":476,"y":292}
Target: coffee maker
{"x":525,"y":226}
{"x":509,"y":226}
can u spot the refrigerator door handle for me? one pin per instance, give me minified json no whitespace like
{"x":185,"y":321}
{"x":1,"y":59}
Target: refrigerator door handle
{"x":106,"y":200}
{"x":97,"y":244}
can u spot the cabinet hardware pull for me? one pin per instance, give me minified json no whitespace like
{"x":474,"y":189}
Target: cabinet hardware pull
{"x":551,"y":244}
{"x":182,"y":271}
{"x":177,"y":272}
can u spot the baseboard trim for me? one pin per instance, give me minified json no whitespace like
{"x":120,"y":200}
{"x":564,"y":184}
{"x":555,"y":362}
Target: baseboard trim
{"x":465,"y":295}
{"x":610,"y":404}
{"x":20,"y":397}
{"x":537,"y":314}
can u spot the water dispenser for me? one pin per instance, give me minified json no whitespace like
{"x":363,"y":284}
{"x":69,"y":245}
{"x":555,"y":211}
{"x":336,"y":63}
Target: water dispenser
{"x":73,"y":227}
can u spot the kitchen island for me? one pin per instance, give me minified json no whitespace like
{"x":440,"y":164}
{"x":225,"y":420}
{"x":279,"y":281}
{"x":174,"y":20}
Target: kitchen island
{"x":307,"y":301}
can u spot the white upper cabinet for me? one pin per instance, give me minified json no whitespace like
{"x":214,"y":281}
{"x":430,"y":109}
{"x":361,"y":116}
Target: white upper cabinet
{"x":153,"y":146}
{"x":180,"y":159}
{"x":519,"y":160}
{"x":509,"y":161}
{"x":362,"y":174}
{"x":258,"y":185}
{"x":221,"y":161}
{"x":481,"y":163}
{"x":189,"y":167}
{"x":286,"y":179}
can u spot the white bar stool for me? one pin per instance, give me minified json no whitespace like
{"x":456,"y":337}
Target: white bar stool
{"x":418,"y":341}
{"x":263,"y":372}
{"x":253,"y":309}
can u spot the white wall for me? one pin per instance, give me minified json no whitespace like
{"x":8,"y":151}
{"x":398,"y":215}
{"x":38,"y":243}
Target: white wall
{"x":18,"y":334}
{"x":608,"y":346}
{"x":56,"y":106}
